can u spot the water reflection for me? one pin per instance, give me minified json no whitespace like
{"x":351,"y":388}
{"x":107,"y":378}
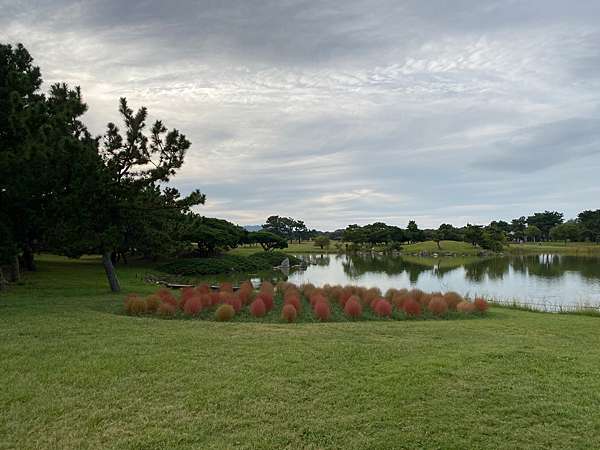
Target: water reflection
{"x":548,"y":277}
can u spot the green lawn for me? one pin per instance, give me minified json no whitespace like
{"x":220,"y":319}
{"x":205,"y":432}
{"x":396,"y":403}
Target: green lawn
{"x":303,"y":247}
{"x":78,"y":374}
{"x":571,"y":248}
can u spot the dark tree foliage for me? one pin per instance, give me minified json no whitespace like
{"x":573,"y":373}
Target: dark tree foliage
{"x":413,"y":233}
{"x":41,"y":142}
{"x":568,"y":231}
{"x":123,"y":204}
{"x":517,"y":228}
{"x":286,"y":227}
{"x":590,"y":224}
{"x":267,"y":240}
{"x":213,"y":235}
{"x":473,"y":234}
{"x":545,"y":221}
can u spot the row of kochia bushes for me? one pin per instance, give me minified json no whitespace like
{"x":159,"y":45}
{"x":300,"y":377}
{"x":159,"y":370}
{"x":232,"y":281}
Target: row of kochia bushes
{"x":307,"y":302}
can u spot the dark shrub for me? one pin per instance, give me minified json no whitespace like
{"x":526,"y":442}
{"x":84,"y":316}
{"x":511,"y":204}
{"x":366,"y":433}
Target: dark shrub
{"x":224,"y":313}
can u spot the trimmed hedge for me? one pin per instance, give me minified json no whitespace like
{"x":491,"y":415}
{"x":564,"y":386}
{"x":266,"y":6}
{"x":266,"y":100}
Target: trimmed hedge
{"x":227,"y":264}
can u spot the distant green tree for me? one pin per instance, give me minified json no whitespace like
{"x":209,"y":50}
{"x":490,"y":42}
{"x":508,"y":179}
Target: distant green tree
{"x":212,"y":235}
{"x":517,"y":228}
{"x":267,"y":240}
{"x":568,"y":231}
{"x":322,"y":242}
{"x":545,"y":221}
{"x":474,"y":234}
{"x":590,"y":223}
{"x":533,"y":233}
{"x":413,"y":233}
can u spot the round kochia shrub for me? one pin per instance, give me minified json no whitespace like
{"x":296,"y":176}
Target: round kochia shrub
{"x":411,"y":307}
{"x":465,"y":307}
{"x":257,"y":308}
{"x":166,"y":310}
{"x":322,"y":311}
{"x":293,"y":300}
{"x":438,"y":306}
{"x":383,"y":308}
{"x":267,"y":300}
{"x":152,"y":303}
{"x":192,"y":306}
{"x":452,"y":299}
{"x":481,"y":304}
{"x":166,"y":296}
{"x":224,"y":313}
{"x":288,"y":313}
{"x":135,"y":305}
{"x":353,"y":308}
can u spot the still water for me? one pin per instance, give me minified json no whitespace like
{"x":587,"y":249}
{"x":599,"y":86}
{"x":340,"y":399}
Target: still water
{"x":546,"y":281}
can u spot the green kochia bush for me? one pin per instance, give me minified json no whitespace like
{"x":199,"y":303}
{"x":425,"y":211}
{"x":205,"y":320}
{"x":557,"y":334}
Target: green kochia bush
{"x":226,"y":264}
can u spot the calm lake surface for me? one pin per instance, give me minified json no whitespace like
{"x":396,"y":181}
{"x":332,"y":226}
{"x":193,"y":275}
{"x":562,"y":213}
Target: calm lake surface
{"x":546,"y":281}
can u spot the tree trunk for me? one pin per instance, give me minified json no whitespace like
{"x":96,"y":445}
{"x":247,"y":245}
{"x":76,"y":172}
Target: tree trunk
{"x":113,"y":281}
{"x":3,"y":282}
{"x":28,"y":261}
{"x":15,"y":273}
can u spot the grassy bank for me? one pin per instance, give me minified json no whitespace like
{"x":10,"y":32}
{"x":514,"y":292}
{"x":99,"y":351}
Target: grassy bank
{"x":568,"y":248}
{"x":461,"y":248}
{"x":77,"y":374}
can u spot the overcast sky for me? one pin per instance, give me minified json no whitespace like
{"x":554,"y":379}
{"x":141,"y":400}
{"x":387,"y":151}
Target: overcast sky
{"x":349,"y":111}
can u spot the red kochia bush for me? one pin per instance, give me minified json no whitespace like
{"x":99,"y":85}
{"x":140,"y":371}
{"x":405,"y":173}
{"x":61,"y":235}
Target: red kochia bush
{"x":267,"y":300}
{"x":224,"y":313}
{"x":257,"y":308}
{"x":288,"y":313}
{"x":317,"y":297}
{"x":192,"y":306}
{"x":411,"y":307}
{"x":152,"y":303}
{"x":452,"y":299}
{"x":268,"y":288}
{"x":353,"y":307}
{"x":383,"y":308}
{"x":293,"y":300}
{"x":322,"y":311}
{"x":438,"y":306}
{"x":135,"y":305}
{"x":480,"y":304}
{"x":166,"y":296}
{"x":465,"y":307}
{"x":215,"y":298}
{"x":166,"y":309}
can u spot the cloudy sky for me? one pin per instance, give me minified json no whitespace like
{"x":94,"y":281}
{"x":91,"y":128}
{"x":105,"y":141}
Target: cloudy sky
{"x":349,"y":111}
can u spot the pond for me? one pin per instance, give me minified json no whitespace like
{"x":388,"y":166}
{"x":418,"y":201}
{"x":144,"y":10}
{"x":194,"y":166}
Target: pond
{"x":548,"y":281}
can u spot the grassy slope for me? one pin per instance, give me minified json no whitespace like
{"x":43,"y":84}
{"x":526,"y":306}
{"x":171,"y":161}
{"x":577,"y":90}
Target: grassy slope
{"x":427,"y":246}
{"x":76,"y":375}
{"x":304,"y":247}
{"x":571,"y":248}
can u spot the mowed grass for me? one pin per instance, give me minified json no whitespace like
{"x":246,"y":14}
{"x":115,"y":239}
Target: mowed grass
{"x":292,"y":248}
{"x":76,"y":373}
{"x":569,"y":248}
